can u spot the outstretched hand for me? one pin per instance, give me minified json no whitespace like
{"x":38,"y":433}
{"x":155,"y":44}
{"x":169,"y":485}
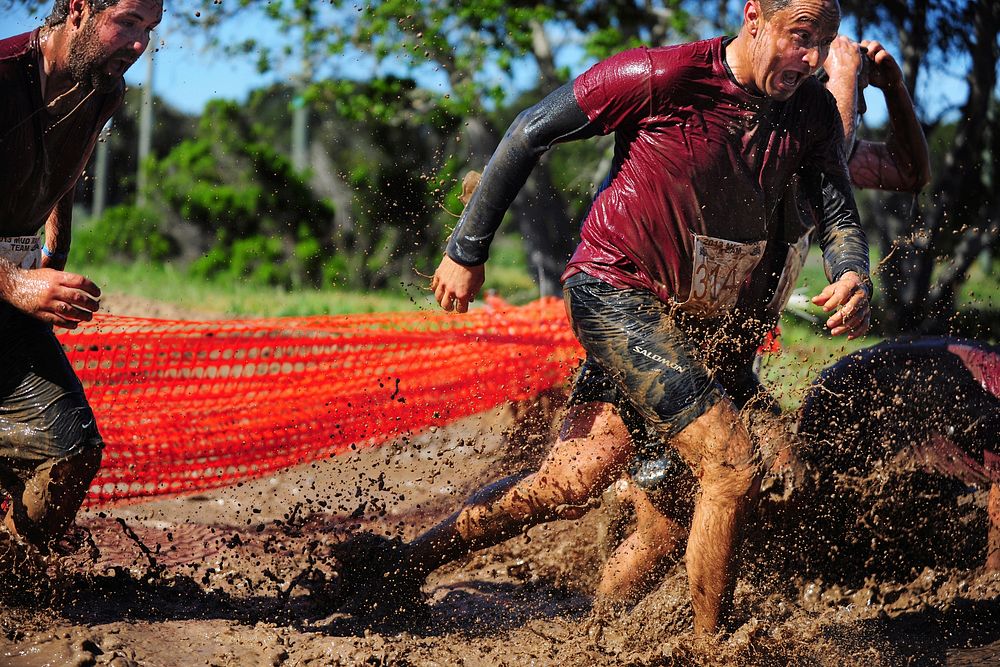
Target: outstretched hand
{"x":850,"y":297}
{"x":59,"y":298}
{"x":456,"y":285}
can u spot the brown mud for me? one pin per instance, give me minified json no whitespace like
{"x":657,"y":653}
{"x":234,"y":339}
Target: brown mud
{"x":227,"y":577}
{"x":884,"y":570}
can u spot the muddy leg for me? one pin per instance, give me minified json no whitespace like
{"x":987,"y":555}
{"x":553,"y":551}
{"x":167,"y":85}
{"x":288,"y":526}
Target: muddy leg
{"x":590,"y":453}
{"x":729,"y":472}
{"x":633,"y":569}
{"x":993,"y":548}
{"x":51,"y":497}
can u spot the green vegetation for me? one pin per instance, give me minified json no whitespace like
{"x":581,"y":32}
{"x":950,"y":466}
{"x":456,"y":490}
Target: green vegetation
{"x":173,"y":283}
{"x":235,"y":298}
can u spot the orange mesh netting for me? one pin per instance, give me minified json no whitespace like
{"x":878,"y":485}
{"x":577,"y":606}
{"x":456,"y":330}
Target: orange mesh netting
{"x":185,"y":406}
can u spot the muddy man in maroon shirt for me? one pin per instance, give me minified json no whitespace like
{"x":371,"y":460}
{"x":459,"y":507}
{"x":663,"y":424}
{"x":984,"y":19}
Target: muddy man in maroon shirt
{"x":708,"y":137}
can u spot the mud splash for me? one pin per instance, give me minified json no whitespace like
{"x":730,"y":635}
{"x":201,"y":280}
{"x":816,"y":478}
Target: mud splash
{"x":886,"y":573}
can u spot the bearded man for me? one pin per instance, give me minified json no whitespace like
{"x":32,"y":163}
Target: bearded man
{"x":59,"y":84}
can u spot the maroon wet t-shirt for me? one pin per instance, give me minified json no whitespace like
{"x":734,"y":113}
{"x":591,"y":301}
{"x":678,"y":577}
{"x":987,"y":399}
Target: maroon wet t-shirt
{"x":42,"y":154}
{"x":695,"y":155}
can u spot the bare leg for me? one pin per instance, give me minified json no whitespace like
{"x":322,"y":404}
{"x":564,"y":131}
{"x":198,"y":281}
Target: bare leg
{"x":48,"y":502}
{"x":633,"y":568}
{"x":590,"y":453}
{"x":728,"y":469}
{"x":993,"y":548}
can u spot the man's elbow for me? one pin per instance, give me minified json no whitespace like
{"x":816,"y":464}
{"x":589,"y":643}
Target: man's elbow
{"x":913,"y":165}
{"x":518,"y":137}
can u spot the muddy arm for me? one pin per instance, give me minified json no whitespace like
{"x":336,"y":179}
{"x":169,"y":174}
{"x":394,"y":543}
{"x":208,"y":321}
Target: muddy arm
{"x":993,"y":543}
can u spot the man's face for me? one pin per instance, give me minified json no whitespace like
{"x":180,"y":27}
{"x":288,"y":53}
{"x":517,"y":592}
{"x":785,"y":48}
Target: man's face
{"x":107,"y":43}
{"x":791,"y":45}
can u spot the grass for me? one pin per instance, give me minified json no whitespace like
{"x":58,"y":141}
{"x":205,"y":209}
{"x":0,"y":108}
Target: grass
{"x":166,"y":283}
{"x":170,"y":284}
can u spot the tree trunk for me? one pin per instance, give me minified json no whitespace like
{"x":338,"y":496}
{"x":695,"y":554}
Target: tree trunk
{"x":550,"y":236}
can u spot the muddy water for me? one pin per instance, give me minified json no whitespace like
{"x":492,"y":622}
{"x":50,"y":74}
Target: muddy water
{"x":232,"y":577}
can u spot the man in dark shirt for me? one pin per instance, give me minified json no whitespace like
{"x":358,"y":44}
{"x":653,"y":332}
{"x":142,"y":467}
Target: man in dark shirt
{"x":708,"y":138}
{"x":59,"y":85}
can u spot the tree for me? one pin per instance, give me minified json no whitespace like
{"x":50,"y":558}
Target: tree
{"x":481,"y":50}
{"x":171,"y":128}
{"x":236,"y":207}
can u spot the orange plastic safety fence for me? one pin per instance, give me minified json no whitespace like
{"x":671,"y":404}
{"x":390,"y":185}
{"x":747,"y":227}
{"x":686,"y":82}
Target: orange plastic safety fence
{"x":185,"y":406}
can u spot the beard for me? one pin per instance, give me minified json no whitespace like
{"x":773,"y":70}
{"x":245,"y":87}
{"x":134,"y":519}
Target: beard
{"x":88,"y":61}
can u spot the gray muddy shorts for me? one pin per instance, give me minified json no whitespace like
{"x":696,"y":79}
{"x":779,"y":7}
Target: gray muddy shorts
{"x":44,"y":415}
{"x":662,"y":369}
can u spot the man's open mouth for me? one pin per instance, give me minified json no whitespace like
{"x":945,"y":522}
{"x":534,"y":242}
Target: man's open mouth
{"x":790,"y":79}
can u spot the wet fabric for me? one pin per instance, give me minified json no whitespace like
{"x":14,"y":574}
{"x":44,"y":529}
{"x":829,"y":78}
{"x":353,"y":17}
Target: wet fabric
{"x":927,"y":394}
{"x":632,"y":338}
{"x":44,"y":414}
{"x":696,"y":155}
{"x":42,"y":155}
{"x":721,"y":157}
{"x":556,"y":118}
{"x":661,"y":368}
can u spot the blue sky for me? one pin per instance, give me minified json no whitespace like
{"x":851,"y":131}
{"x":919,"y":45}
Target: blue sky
{"x":187,"y":74}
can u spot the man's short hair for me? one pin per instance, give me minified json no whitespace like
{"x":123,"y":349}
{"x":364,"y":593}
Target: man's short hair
{"x":769,"y":7}
{"x":60,"y":10}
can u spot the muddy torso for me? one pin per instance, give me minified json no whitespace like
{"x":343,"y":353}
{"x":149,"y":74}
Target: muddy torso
{"x":935,"y":398}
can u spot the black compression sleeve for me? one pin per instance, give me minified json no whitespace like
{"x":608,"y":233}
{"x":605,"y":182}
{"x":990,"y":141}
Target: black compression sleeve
{"x":845,"y":247}
{"x":556,"y":118}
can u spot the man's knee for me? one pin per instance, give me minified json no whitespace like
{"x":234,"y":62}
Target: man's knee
{"x":720,"y":449}
{"x":78,"y":469}
{"x":58,"y":487}
{"x":659,"y":531}
{"x":574,"y":487}
{"x":590,"y":455}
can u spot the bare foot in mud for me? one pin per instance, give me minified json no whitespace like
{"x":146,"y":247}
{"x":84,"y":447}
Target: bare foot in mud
{"x":374,"y":582}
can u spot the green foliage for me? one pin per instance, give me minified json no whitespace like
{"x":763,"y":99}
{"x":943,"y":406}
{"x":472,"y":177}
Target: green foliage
{"x":263,"y":220}
{"x":124,"y":233}
{"x":388,"y":136}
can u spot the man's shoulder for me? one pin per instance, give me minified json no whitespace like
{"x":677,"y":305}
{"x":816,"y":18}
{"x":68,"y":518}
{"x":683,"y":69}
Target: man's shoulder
{"x":690,"y":59}
{"x":704,"y":50}
{"x":14,"y":47}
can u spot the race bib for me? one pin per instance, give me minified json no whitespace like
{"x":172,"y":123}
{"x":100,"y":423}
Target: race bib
{"x":719,"y":269}
{"x":22,"y":251}
{"x":794,"y":261}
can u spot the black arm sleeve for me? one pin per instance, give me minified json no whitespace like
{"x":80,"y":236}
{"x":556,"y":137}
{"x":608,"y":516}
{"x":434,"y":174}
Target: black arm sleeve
{"x":845,"y":247}
{"x":556,"y":118}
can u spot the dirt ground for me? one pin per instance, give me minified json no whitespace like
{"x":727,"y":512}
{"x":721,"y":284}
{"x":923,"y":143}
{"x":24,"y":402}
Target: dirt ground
{"x":888,"y":574}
